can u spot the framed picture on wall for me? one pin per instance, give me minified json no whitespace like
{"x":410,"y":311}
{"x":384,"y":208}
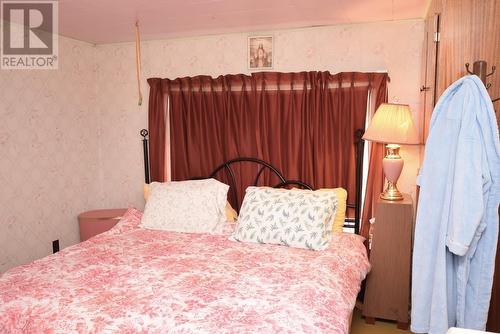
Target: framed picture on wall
{"x":260,"y":52}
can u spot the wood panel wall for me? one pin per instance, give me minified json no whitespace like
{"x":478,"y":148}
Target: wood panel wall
{"x":469,"y":30}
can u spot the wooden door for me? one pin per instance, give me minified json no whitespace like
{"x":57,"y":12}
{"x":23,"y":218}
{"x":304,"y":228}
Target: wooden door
{"x":430,"y":71}
{"x":469,"y":30}
{"x":494,"y":313}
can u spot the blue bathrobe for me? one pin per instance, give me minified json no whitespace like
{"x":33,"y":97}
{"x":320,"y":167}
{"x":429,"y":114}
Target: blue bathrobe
{"x":456,"y":228}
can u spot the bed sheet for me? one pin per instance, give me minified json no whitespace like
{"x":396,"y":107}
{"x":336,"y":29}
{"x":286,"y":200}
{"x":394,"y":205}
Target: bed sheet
{"x":133,"y":280}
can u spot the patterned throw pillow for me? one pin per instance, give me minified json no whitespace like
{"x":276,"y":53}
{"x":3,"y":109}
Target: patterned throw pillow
{"x":301,"y":219}
{"x":196,"y":206}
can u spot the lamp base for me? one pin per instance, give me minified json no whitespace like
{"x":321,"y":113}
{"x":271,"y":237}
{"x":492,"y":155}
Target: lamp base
{"x":391,"y":193}
{"x":392,"y":165}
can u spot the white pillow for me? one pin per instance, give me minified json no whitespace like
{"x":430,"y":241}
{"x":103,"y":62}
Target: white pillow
{"x":301,"y":219}
{"x":196,"y":206}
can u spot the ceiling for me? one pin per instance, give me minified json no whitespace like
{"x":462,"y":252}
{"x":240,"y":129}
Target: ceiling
{"x":112,"y":21}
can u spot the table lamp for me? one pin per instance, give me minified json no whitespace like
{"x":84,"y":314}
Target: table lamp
{"x":392,"y":125}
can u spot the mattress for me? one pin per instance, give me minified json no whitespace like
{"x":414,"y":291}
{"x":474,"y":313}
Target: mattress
{"x":135,"y":280}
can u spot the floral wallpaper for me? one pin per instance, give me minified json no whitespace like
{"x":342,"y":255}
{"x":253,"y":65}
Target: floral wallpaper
{"x":69,"y":140}
{"x":48,"y":150}
{"x":395,"y":47}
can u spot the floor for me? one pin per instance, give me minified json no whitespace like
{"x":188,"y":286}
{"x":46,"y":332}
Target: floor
{"x":381,"y":327}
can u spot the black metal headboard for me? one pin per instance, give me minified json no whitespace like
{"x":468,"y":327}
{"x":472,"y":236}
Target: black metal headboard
{"x":353,"y":223}
{"x":262,"y":166}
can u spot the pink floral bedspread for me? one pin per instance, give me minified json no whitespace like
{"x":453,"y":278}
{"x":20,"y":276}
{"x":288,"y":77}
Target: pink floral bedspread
{"x":132,"y":280}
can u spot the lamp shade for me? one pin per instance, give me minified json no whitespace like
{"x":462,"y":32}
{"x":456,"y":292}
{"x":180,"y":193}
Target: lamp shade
{"x":392,"y":124}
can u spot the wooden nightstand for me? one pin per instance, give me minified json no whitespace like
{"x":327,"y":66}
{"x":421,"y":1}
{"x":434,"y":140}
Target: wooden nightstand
{"x":387,"y":294}
{"x":98,"y":221}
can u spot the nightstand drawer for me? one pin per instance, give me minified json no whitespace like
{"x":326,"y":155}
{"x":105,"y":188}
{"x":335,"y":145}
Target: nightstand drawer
{"x":95,"y":222}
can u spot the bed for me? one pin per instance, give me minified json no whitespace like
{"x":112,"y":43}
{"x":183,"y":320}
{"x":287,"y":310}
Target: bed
{"x":136,"y":280}
{"x":132,"y":280}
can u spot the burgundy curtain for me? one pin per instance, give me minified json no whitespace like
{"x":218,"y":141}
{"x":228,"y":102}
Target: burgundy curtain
{"x":375,"y":179}
{"x":302,"y":123}
{"x":157,"y":130}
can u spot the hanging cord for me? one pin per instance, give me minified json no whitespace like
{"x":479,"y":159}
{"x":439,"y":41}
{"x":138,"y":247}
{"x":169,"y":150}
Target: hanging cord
{"x":138,"y":60}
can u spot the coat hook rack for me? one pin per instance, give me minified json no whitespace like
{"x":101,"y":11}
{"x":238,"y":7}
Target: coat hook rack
{"x":479,"y":68}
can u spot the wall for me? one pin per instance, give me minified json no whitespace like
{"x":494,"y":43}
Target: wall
{"x":392,"y":46}
{"x":48,"y":146}
{"x":69,"y":139}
